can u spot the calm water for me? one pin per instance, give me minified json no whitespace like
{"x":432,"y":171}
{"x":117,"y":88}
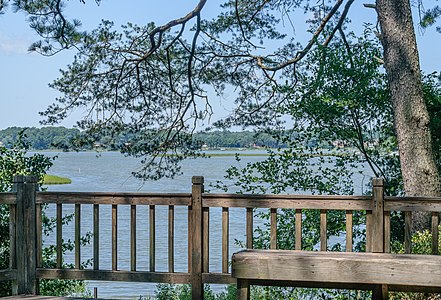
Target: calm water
{"x":111,"y":172}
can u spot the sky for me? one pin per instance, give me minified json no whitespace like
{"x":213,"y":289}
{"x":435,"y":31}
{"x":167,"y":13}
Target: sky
{"x":24,"y":76}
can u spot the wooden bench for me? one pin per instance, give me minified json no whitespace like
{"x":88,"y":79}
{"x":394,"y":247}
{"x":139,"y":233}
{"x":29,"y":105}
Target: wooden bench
{"x":379,"y":272}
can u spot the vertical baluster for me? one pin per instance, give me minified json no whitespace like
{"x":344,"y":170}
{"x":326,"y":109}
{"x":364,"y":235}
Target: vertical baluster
{"x":205,"y":239}
{"x":114,"y":237}
{"x":369,"y":231}
{"x":133,"y":238}
{"x":323,"y":233}
{"x":273,"y":233}
{"x":387,"y":231}
{"x":407,"y":232}
{"x":96,"y":237}
{"x":435,"y":235}
{"x":298,"y":228}
{"x":39,"y":235}
{"x":12,"y":236}
{"x":349,"y":229}
{"x":189,"y":236}
{"x":225,"y":238}
{"x":59,"y":235}
{"x":171,"y":238}
{"x":152,"y":238}
{"x":249,"y":229}
{"x":77,"y":236}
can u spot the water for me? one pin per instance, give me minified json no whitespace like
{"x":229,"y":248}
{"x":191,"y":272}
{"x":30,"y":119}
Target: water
{"x":110,"y":171}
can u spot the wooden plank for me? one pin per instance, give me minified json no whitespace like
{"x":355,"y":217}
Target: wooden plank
{"x":218,"y":278}
{"x":368,"y":231}
{"x":133,"y":238}
{"x":114,"y":237}
{"x":377,"y":215}
{"x":298,"y":228}
{"x":107,"y":275}
{"x":435,"y":232}
{"x":288,"y":201}
{"x":225,"y":239}
{"x":77,"y":236}
{"x":114,"y":198}
{"x":243,"y":289}
{"x":96,"y":237}
{"x":407,"y":232}
{"x":249,"y":227}
{"x":273,"y":229}
{"x":171,"y":238}
{"x":340,"y":267}
{"x":206,"y":239}
{"x":39,"y":219}
{"x":12,"y":236}
{"x":6,"y":275}
{"x":387,"y":231}
{"x":197,"y":286}
{"x":189,"y":237}
{"x":349,"y":231}
{"x":152,"y":238}
{"x":59,"y":235}
{"x":8,"y":198}
{"x":429,"y":204}
{"x":323,"y":230}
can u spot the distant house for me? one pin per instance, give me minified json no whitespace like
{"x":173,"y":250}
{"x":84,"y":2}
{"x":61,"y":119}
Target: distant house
{"x":1,"y":144}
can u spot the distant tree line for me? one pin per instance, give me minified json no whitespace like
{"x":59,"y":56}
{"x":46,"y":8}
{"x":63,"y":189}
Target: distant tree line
{"x":47,"y":138}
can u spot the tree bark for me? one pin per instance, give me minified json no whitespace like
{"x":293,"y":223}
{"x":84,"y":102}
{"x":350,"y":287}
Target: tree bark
{"x":401,"y":61}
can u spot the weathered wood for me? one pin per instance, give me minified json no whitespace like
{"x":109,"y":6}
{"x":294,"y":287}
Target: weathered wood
{"x":152,"y":238}
{"x":435,"y":232}
{"x":349,"y":230}
{"x":369,"y":231}
{"x":197,"y":287}
{"x":114,"y":237}
{"x":323,"y":230}
{"x":387,"y":232}
{"x":249,"y":227}
{"x":206,"y":239}
{"x":114,"y":198}
{"x":171,"y":238}
{"x":59,"y":235}
{"x":108,"y":275}
{"x":12,"y":236}
{"x":407,"y":232}
{"x":77,"y":236}
{"x":329,"y":202}
{"x":429,"y":204}
{"x":225,"y":239}
{"x":377,"y":215}
{"x":298,"y":228}
{"x":189,"y":237}
{"x":6,"y":275}
{"x":26,"y":235}
{"x":218,"y":278}
{"x":273,"y":228}
{"x":39,"y":232}
{"x":243,"y":290}
{"x":133,"y":238}
{"x":8,"y":198}
{"x":342,"y":267}
{"x":96,"y":237}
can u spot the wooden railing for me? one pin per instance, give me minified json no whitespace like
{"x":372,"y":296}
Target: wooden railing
{"x":26,"y":204}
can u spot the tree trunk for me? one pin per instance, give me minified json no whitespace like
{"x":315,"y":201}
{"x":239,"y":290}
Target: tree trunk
{"x":411,"y":118}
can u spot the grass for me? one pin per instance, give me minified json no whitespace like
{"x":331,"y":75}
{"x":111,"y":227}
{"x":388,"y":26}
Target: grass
{"x":52,"y":179}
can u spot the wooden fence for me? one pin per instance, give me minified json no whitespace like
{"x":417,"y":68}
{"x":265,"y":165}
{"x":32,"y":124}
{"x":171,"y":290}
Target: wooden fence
{"x":26,"y":202}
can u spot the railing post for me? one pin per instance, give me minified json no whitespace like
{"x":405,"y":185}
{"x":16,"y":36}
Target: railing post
{"x":379,"y":291}
{"x":26,"y":235}
{"x":197,"y":287}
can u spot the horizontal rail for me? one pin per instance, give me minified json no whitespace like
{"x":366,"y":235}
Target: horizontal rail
{"x":113,"y":198}
{"x":432,"y":204}
{"x":8,"y":198}
{"x":8,"y":274}
{"x":109,"y":275}
{"x":288,"y":201}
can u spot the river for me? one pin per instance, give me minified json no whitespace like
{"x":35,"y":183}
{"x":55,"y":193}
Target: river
{"x":110,"y":171}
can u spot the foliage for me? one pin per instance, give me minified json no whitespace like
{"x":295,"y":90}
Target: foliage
{"x":183,"y":292}
{"x":15,"y":161}
{"x":52,"y":179}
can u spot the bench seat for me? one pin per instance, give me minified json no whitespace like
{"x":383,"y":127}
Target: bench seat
{"x":338,"y":269}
